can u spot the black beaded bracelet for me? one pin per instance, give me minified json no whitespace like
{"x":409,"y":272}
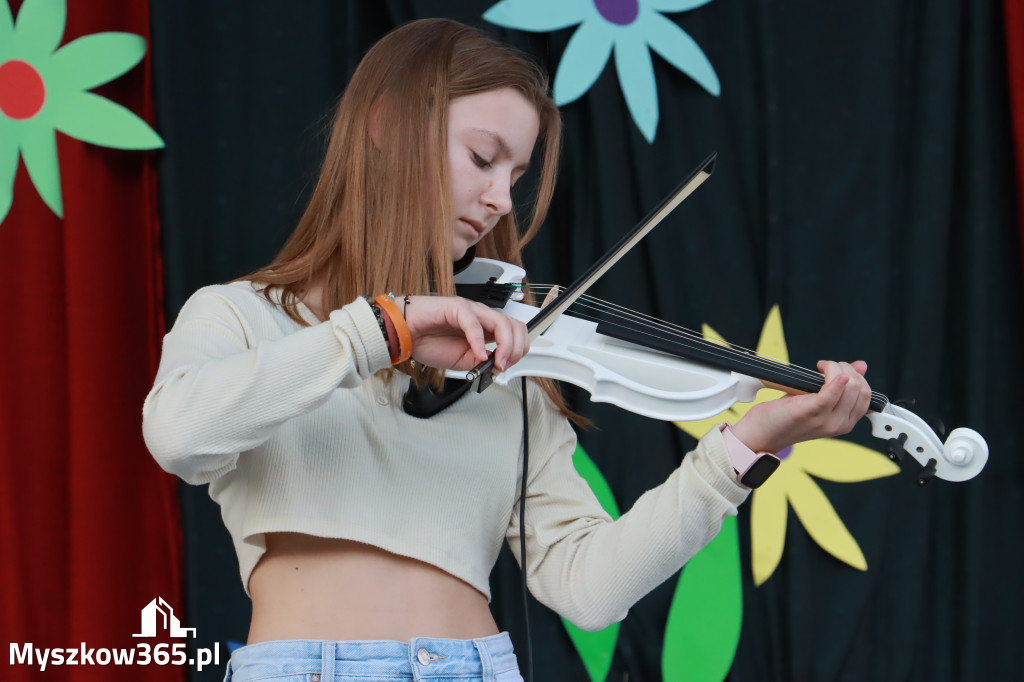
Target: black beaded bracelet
{"x":380,"y":321}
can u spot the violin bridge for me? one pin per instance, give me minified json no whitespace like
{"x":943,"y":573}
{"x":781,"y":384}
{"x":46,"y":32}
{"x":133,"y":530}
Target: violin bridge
{"x":552,"y":294}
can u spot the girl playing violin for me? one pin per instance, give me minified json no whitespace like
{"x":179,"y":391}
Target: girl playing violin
{"x":365,"y":537}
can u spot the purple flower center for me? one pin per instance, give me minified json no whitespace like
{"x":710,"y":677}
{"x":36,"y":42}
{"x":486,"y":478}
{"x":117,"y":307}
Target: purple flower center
{"x":621,"y":12}
{"x":784,"y":453}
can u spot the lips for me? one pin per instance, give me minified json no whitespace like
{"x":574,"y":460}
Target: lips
{"x":476,"y":226}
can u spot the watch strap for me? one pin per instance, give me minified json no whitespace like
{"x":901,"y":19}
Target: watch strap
{"x":752,"y":468}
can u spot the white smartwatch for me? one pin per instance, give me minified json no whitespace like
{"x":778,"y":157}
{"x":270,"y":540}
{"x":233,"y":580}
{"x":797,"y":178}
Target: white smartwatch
{"x":752,"y":468}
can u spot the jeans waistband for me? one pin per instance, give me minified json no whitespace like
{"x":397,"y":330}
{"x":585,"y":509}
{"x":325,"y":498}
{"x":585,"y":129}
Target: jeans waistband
{"x":420,"y":658}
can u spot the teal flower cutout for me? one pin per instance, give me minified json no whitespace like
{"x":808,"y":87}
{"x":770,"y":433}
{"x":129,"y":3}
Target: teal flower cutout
{"x":627,"y":28}
{"x":44,"y":89}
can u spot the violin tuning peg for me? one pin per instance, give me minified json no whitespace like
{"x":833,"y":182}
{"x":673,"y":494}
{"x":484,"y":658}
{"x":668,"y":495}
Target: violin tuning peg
{"x":937,"y":426}
{"x":894,"y":448}
{"x":905,"y":403}
{"x":927,"y":472}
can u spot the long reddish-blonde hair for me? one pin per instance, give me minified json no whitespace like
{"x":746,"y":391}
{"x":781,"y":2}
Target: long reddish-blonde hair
{"x":379,"y":218}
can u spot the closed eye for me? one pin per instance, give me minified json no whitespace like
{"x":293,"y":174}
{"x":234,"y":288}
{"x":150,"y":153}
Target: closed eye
{"x":480,"y":161}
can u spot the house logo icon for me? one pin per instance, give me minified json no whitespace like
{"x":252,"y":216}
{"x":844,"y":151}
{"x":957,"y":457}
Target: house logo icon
{"x":167,"y":617}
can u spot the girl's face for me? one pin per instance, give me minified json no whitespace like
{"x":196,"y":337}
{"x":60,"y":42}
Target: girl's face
{"x":490,"y":139}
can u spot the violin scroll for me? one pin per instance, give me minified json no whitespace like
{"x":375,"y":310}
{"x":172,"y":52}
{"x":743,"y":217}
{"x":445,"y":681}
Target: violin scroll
{"x":960,"y":458}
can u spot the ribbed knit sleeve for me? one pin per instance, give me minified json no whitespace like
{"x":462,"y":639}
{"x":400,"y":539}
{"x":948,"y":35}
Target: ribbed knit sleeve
{"x":591,"y":569}
{"x":220,"y":392}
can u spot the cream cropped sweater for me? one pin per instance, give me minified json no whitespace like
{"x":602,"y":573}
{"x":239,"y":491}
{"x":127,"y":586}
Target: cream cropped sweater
{"x":293,"y":431}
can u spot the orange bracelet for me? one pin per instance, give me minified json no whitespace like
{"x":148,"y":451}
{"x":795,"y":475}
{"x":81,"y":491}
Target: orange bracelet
{"x":387,"y":304}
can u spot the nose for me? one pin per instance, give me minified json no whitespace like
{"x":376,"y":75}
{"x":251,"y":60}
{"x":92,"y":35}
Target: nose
{"x":498,"y":196}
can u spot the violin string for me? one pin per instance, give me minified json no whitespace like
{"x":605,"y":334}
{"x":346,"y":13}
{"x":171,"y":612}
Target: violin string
{"x":736,"y":353}
{"x":743,"y":356}
{"x":680,"y":335}
{"x":670,"y":329}
{"x":699,"y":341}
{"x":738,"y":359}
{"x":740,"y":356}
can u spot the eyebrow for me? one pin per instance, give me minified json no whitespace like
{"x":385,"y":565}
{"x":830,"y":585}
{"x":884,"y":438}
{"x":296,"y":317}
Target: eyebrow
{"x":503,"y":147}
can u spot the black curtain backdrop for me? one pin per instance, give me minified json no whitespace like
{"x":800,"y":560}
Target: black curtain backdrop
{"x":864,"y":184}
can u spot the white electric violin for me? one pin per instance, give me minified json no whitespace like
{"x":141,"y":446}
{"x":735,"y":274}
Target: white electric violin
{"x":661,"y":370}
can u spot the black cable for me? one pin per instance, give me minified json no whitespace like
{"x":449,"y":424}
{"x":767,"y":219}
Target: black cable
{"x":522,"y":534}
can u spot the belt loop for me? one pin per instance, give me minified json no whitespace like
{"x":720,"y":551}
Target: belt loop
{"x":486,"y":665}
{"x":327,"y":661}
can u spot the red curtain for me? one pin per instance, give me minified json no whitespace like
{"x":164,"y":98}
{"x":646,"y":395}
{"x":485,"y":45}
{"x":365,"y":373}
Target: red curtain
{"x":1014,"y":14}
{"x":89,"y":523}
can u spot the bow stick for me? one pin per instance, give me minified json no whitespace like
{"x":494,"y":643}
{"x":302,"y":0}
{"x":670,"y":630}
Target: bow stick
{"x":423,"y":402}
{"x":484,"y":372}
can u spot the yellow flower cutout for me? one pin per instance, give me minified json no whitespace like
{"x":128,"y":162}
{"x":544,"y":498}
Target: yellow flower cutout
{"x":793,"y":482}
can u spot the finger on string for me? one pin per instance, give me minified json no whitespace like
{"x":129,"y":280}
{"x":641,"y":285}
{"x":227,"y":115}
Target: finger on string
{"x":832,"y":392}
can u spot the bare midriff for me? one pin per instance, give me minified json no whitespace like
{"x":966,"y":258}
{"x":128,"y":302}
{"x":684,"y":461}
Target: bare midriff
{"x":306,"y":587}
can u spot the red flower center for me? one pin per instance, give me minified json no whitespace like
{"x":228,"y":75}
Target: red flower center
{"x":22,"y":91}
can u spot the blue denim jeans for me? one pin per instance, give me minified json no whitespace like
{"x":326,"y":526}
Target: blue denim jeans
{"x":489,"y":659}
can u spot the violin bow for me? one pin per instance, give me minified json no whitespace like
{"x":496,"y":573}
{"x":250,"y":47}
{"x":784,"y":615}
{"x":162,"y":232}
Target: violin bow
{"x":483,"y":373}
{"x":423,"y":402}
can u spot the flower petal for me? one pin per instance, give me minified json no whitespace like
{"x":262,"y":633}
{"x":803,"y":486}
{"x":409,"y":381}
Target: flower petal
{"x":596,"y":649}
{"x":8,"y":164}
{"x":713,"y":336}
{"x":583,"y":60}
{"x":822,"y":522}
{"x":772,"y":343}
{"x":39,"y":28}
{"x":538,"y":15}
{"x":6,"y":30}
{"x":768,"y":515}
{"x":596,"y":480}
{"x":636,"y":77}
{"x":681,"y":51}
{"x":841,"y":461}
{"x":95,"y":59}
{"x":39,"y":149}
{"x":97,"y":120}
{"x":710,"y":585}
{"x":675,"y":5}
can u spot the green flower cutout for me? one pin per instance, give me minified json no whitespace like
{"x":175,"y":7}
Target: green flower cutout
{"x":694,"y":648}
{"x":793,"y":483}
{"x":44,"y":89}
{"x":595,"y":648}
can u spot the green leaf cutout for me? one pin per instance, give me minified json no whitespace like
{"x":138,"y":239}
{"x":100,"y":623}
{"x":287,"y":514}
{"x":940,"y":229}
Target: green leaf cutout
{"x":703,"y":628}
{"x":595,"y":648}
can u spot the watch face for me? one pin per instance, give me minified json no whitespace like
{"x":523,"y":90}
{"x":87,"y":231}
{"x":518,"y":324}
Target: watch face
{"x":763,"y":467}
